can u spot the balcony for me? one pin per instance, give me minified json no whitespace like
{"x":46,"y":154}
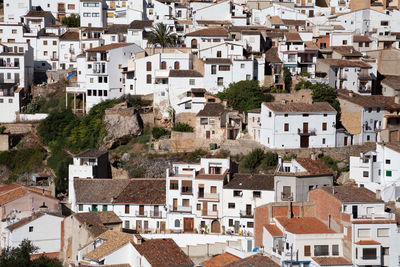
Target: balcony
{"x":209,"y":213}
{"x":54,"y":58}
{"x":187,"y":192}
{"x":375,"y":217}
{"x":9,"y":65}
{"x":180,"y":208}
{"x":306,"y":131}
{"x":156,"y":214}
{"x":246,"y":214}
{"x":364,"y":76}
{"x":141,"y":214}
{"x":208,"y":196}
{"x":61,"y":9}
{"x":161,"y":73}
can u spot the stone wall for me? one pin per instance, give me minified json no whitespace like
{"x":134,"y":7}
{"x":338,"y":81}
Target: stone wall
{"x":4,"y":142}
{"x":186,"y":117}
{"x":302,"y":96}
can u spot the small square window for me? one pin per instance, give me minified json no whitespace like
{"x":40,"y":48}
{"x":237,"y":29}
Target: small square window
{"x":30,"y":228}
{"x":256,"y":194}
{"x":365,"y":174}
{"x":231,"y":205}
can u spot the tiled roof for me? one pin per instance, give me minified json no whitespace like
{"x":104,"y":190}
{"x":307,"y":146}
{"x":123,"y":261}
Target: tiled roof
{"x":39,"y":13}
{"x":301,"y":107}
{"x":209,"y":32}
{"x":211,"y":110}
{"x":218,"y":61}
{"x":140,"y":24}
{"x":346,"y":63}
{"x":273,"y":230}
{"x":309,"y":45}
{"x":184,"y":74}
{"x":25,"y":221}
{"x":117,"y":28}
{"x":304,"y":225}
{"x":251,"y":182}
{"x":293,"y":22}
{"x":12,"y":192}
{"x":271,"y":55}
{"x":367,"y":242}
{"x":393,"y":146}
{"x":163,"y":252}
{"x":220,"y":260}
{"x":143,"y":191}
{"x":368,"y":101}
{"x":338,"y":27}
{"x":352,"y":194}
{"x":98,"y":191}
{"x":108,"y":47}
{"x":70,"y":36}
{"x":346,"y":51}
{"x":95,"y":221}
{"x":392,"y":82}
{"x":113,"y":241}
{"x":218,"y":22}
{"x":292,"y":36}
{"x":254,"y":261}
{"x":91,"y":154}
{"x":332,"y":261}
{"x":361,"y":38}
{"x":276,"y":20}
{"x":313,"y":167}
{"x":256,"y":110}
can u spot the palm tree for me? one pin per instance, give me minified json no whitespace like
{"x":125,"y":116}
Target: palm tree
{"x":162,"y":36}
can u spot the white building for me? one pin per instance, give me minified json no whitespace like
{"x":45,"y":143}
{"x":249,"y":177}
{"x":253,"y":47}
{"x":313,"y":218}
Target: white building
{"x":298,"y":125}
{"x":91,"y":13}
{"x":241,"y":196}
{"x":254,"y":124}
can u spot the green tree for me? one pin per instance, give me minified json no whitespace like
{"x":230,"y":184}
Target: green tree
{"x":72,"y":21}
{"x":161,"y":35}
{"x":158,"y":132}
{"x":323,"y":93}
{"x":245,"y":95}
{"x":287,"y":79}
{"x":269,"y":161}
{"x":182,"y":127}
{"x":253,"y":159}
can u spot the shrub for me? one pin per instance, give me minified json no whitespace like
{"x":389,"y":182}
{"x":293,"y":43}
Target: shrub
{"x":252,"y":160}
{"x":289,"y":157}
{"x":182,"y":127}
{"x":305,"y":74}
{"x":287,"y":79}
{"x":270,"y":160}
{"x":72,"y":21}
{"x":303,"y":85}
{"x":137,"y":172}
{"x":133,"y":101}
{"x":158,"y":132}
{"x":198,"y":154}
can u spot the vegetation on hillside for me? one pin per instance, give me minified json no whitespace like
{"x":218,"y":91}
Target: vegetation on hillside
{"x":245,"y":95}
{"x":287,"y":79}
{"x":257,"y":158}
{"x":72,"y":21}
{"x":182,"y":127}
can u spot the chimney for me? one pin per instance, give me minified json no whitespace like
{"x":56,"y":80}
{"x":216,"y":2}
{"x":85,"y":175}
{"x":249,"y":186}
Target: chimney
{"x":397,"y":99}
{"x":378,"y":194}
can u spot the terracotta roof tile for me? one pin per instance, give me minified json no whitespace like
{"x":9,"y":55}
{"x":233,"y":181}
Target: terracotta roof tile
{"x":275,"y":20}
{"x":70,"y":36}
{"x":304,"y":225}
{"x":293,"y":22}
{"x":272,"y":56}
{"x":91,"y":154}
{"x":117,"y":28}
{"x":95,"y":221}
{"x":108,"y":47}
{"x":184,"y":74}
{"x":140,"y":24}
{"x":392,"y":81}
{"x":346,"y":63}
{"x":346,"y":50}
{"x":37,"y":13}
{"x":220,"y":260}
{"x":332,"y":261}
{"x":212,"y":110}
{"x":292,"y":36}
{"x":218,"y":61}
{"x":254,"y":261}
{"x":361,"y":38}
{"x":351,"y":194}
{"x":98,"y":191}
{"x":251,"y":182}
{"x":301,"y":107}
{"x":143,"y":191}
{"x":273,"y":230}
{"x":222,"y":32}
{"x":368,"y":101}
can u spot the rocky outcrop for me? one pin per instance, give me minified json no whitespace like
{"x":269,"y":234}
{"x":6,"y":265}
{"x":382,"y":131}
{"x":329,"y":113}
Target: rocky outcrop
{"x":122,"y":124}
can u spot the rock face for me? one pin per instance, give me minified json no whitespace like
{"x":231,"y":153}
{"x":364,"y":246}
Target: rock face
{"x":122,"y":124}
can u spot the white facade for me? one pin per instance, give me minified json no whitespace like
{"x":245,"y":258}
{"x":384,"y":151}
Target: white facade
{"x":285,"y":129}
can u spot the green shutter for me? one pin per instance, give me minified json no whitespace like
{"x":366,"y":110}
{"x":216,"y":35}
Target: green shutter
{"x":389,"y":173}
{"x":104,"y":207}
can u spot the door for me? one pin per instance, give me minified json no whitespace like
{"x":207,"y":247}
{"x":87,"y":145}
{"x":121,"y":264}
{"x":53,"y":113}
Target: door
{"x":205,"y":210}
{"x":162,"y":226}
{"x":305,"y":127}
{"x":156,"y":211}
{"x":215,"y":227}
{"x":1,"y":77}
{"x":175,"y":204}
{"x":208,"y":135}
{"x":201,"y":192}
{"x":188,"y":224}
{"x":141,"y":210}
{"x":248,"y":209}
{"x":345,"y":141}
{"x":138,"y":225}
{"x":237,"y":226}
{"x":304,"y":141}
{"x":355,"y":212}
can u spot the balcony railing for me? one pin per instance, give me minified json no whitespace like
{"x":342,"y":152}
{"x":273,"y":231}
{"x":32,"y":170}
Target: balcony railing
{"x":141,"y":214}
{"x":156,"y":214}
{"x":385,"y":216}
{"x":209,"y":213}
{"x":306,"y":131}
{"x":180,"y":208}
{"x":369,"y":257}
{"x":211,"y":196}
{"x":9,"y":65}
{"x":187,"y":192}
{"x":246,"y":214}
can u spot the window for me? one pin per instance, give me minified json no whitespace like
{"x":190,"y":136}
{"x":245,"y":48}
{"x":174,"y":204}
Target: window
{"x":389,"y":173}
{"x":30,"y":228}
{"x":71,"y":7}
{"x":344,"y":42}
{"x":388,"y":161}
{"x":192,"y":81}
{"x":185,"y":202}
{"x":335,"y":250}
{"x":173,"y":185}
{"x":10,"y":100}
{"x":105,"y":207}
{"x":44,"y":42}
{"x":126,"y":209}
{"x":148,"y":66}
{"x":14,"y":31}
{"x":89,"y":92}
{"x":286,"y":127}
{"x":224,"y":68}
{"x":80,"y":207}
{"x":385,"y":251}
{"x":384,"y":23}
{"x":45,"y":53}
{"x":220,"y":81}
{"x":237,"y":193}
{"x":100,"y":92}
{"x":213,"y":69}
{"x":1,"y":100}
{"x":214,"y":208}
{"x":105,"y":93}
{"x":383,"y":232}
{"x":323,"y":141}
{"x":324,"y":127}
{"x":198,"y":206}
{"x":194,"y":43}
{"x":177,"y":223}
{"x":369,"y":254}
{"x":230,"y":222}
{"x":321,"y":250}
{"x":148,"y":78}
{"x":94,"y":207}
{"x":256,"y":194}
{"x":231,"y":205}
{"x":307,"y":251}
{"x":250,"y":224}
{"x":365,"y":173}
{"x":188,"y":105}
{"x":305,"y":115}
{"x":176,"y":65}
{"x":219,"y":54}
{"x":242,"y":66}
{"x":248,"y":77}
{"x":54,"y":42}
{"x":364,"y":233}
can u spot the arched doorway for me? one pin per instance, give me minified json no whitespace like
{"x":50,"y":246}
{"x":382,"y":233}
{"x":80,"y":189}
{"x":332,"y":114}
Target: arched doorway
{"x":215,"y":227}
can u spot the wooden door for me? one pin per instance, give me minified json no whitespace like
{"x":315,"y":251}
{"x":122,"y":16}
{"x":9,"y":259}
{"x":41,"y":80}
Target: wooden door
{"x":305,"y":127}
{"x":175,"y":204}
{"x":188,"y":224}
{"x":162,"y":226}
{"x":208,"y":134}
{"x":205,"y":210}
{"x":304,"y":141}
{"x":215,"y":227}
{"x":156,"y":211}
{"x":248,"y":209}
{"x":141,"y":210}
{"x":345,"y":141}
